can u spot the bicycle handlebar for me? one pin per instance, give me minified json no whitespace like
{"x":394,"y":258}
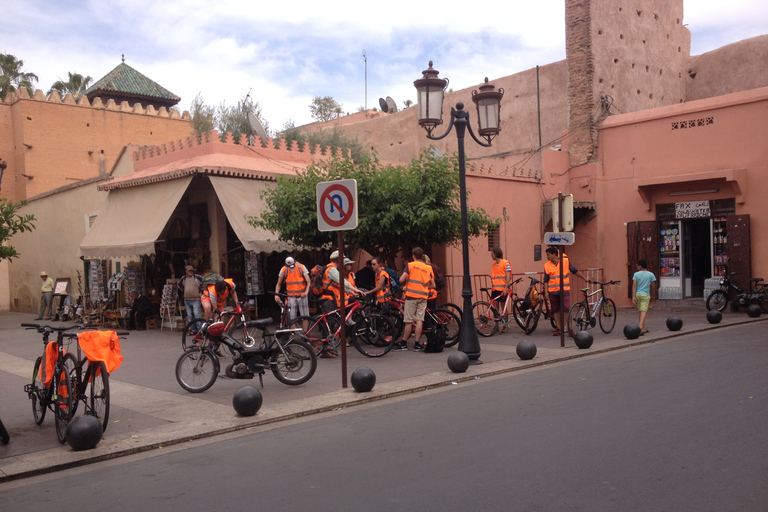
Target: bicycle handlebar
{"x":603,"y":284}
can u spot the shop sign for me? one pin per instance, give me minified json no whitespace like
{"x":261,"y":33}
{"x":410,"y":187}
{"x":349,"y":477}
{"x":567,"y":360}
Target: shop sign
{"x":693,"y":210}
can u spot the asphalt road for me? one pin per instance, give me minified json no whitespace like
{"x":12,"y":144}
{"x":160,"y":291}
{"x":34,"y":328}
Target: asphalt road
{"x":675,"y":425}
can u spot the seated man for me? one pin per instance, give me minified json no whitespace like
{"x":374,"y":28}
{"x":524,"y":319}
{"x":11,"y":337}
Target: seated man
{"x":141,"y":308}
{"x":215,"y":297}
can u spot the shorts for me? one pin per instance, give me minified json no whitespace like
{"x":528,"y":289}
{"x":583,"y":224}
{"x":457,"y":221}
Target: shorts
{"x":414,"y":310}
{"x":300,"y":303}
{"x":555,"y":302}
{"x":643,"y":301}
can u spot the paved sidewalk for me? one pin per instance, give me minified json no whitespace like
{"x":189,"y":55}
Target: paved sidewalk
{"x":150,"y":410}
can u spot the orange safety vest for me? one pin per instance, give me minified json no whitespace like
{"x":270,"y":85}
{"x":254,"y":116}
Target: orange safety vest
{"x":295,"y":283}
{"x":499,"y":275}
{"x":553,"y":271}
{"x":351,"y":279}
{"x":381,"y":293}
{"x":419,"y":275}
{"x":220,"y":301}
{"x":330,"y":288}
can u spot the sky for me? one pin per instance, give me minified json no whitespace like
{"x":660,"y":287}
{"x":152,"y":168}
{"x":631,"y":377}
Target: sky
{"x":285,"y":54}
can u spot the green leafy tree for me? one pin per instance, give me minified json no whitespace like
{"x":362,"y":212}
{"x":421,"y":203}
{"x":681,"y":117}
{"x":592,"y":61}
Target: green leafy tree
{"x":76,"y":84}
{"x":325,"y":108}
{"x":201,"y":116}
{"x":399,"y":206}
{"x":235,"y":118}
{"x":12,"y":76}
{"x":10,"y":224}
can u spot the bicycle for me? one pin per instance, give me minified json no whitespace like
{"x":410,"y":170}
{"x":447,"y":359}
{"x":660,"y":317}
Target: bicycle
{"x":450,"y":321}
{"x":372,"y":334}
{"x":581,"y":317}
{"x":718,"y":299}
{"x":285,"y":309}
{"x":286,"y":353}
{"x":487,"y":316}
{"x":51,"y":387}
{"x":235,"y":326}
{"x":90,"y":384}
{"x":528,"y":310}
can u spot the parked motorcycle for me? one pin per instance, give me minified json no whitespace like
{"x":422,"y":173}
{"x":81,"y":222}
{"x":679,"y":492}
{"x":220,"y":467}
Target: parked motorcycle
{"x":718,"y":299}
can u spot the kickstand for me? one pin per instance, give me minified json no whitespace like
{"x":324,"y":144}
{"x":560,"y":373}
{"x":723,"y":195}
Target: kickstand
{"x":261,"y":379}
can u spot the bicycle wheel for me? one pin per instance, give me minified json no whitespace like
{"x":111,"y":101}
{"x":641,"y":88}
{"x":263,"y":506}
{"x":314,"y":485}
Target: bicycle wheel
{"x":717,"y":300}
{"x":453,"y":308}
{"x":452,"y":324}
{"x":532,"y":318}
{"x":485,"y":316}
{"x":4,"y":437}
{"x":191,"y":334}
{"x":197,"y":369}
{"x":763,"y":301}
{"x":314,"y":329}
{"x":62,"y":402}
{"x":297,"y":365}
{"x":98,"y":392}
{"x":71,"y":363}
{"x":373,"y":335}
{"x":247,"y":336}
{"x":607,"y":315}
{"x":39,"y":394}
{"x":578,"y":318}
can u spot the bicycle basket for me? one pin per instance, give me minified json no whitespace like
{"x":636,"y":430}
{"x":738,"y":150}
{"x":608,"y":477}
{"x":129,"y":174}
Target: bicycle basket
{"x":216,"y":328}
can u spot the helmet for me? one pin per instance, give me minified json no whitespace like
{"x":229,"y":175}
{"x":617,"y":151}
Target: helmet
{"x":289,"y":262}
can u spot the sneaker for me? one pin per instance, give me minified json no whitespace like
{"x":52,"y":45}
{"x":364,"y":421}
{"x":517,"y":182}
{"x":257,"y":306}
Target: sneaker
{"x":218,"y":352}
{"x":400,"y":346}
{"x":418,"y":347}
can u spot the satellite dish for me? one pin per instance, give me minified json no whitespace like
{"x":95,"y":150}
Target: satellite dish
{"x":392,"y":106}
{"x":383,"y":105}
{"x":257,"y":128}
{"x":436,"y":152}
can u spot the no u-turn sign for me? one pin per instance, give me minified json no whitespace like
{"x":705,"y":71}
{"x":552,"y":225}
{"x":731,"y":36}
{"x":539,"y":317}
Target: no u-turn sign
{"x":337,"y":205}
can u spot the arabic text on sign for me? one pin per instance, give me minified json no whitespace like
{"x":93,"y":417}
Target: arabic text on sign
{"x":692,"y":210}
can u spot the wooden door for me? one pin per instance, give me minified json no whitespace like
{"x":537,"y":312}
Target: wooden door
{"x":738,"y":249}
{"x":642,"y":244}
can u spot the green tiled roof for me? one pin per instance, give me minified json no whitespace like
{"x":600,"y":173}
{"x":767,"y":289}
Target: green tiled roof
{"x":126,"y":80}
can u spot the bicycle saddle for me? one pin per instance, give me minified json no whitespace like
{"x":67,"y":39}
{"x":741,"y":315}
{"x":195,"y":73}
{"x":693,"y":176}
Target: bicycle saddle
{"x":261,"y":323}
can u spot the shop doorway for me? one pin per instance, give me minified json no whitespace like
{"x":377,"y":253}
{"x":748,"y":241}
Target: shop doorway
{"x":697,"y":247}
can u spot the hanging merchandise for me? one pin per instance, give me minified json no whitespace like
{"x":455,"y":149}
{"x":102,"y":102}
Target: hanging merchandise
{"x":254,"y":283}
{"x":96,"y":279}
{"x":115,"y":283}
{"x":669,"y":249}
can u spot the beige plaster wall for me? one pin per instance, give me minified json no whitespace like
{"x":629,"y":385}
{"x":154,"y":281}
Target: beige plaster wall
{"x":735,"y":67}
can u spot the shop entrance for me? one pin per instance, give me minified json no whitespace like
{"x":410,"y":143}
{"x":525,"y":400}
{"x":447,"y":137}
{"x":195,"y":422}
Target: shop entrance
{"x":697,"y":248}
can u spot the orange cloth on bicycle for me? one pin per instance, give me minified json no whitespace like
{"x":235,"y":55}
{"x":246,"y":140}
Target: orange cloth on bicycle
{"x":499,"y":274}
{"x":101,"y":346}
{"x":295,"y":282}
{"x":419,"y":275}
{"x":385,"y":290}
{"x":48,"y":364}
{"x":553,"y":271}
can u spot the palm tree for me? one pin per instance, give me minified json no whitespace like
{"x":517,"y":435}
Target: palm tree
{"x":76,"y":84}
{"x":12,"y":77}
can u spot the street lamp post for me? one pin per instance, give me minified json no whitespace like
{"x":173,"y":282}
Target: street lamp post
{"x":431,"y":91}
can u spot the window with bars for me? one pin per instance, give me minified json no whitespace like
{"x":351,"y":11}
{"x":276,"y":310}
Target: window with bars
{"x":494,"y":239}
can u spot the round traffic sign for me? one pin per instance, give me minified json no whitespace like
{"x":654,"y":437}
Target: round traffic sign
{"x":337,"y":205}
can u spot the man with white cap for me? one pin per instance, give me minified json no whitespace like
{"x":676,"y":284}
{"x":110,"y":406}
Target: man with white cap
{"x":331,"y":280}
{"x":46,"y":297}
{"x":296,"y":278}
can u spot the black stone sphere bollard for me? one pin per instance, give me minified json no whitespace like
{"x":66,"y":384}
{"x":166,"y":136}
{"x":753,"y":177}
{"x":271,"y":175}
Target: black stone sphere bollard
{"x":632,"y":331}
{"x":754,"y":311}
{"x":526,"y":350}
{"x":714,"y":316}
{"x":247,"y":401}
{"x":674,"y":323}
{"x":363,"y":379}
{"x":458,"y":362}
{"x":84,"y":433}
{"x":583,"y":339}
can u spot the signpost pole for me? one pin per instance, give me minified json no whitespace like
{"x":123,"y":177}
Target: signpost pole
{"x":343,"y":310}
{"x":560,"y":264}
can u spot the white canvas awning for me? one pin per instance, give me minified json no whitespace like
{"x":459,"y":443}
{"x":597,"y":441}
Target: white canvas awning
{"x":132,"y":219}
{"x":241,"y":198}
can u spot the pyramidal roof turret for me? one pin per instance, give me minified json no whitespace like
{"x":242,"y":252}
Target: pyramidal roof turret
{"x":126,"y":84}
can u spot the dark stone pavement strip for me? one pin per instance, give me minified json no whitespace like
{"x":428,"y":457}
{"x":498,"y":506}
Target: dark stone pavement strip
{"x":149,"y":410}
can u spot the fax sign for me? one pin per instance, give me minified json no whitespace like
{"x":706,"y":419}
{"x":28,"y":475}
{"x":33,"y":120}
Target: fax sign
{"x":563,"y":238}
{"x":337,"y":205}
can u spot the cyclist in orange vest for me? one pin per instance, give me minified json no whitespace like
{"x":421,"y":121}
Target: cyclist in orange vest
{"x":552,"y":280}
{"x":296,"y":278}
{"x":501,"y":276}
{"x":331,"y":281}
{"x":382,"y":280}
{"x":419,"y":280}
{"x":215,"y":296}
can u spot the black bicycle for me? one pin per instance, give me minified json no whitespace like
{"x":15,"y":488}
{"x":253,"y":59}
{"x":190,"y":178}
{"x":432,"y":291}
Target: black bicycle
{"x":718,"y":299}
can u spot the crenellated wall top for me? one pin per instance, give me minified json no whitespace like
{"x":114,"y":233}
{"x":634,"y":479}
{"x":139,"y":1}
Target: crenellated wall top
{"x":55,"y":98}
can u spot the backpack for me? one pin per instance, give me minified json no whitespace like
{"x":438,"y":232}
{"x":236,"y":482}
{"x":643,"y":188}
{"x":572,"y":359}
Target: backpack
{"x":439,"y":277}
{"x":531,"y":299}
{"x":436,"y":338}
{"x":394,"y":281}
{"x":209,"y":280}
{"x":316,"y":283}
